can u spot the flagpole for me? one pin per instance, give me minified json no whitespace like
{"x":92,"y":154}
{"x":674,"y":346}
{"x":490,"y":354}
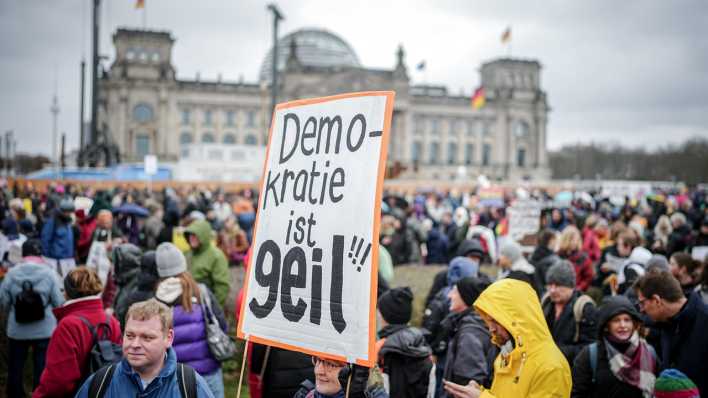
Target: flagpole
{"x":144,"y":16}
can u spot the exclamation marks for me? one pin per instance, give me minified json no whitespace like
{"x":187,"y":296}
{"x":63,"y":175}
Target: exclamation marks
{"x":355,"y":255}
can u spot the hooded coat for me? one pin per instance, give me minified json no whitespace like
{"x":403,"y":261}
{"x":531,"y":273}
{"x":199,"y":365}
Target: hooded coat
{"x":606,"y":385}
{"x":207,"y":263}
{"x":535,"y":367}
{"x":405,"y":360}
{"x":563,"y":329}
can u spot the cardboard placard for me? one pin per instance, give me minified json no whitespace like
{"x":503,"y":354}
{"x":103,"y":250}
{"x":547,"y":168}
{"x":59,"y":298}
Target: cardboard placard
{"x":311,"y":285}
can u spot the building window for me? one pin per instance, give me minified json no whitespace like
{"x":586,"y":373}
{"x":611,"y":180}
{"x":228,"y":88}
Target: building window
{"x":130,"y":54}
{"x":208,"y":138}
{"x":435,"y":126}
{"x":419,"y":124}
{"x":155,"y":57}
{"x":460,"y":125}
{"x":521,"y":157}
{"x":434,"y":153}
{"x":469,"y":154}
{"x":521,"y":129}
{"x":251,"y":140}
{"x":185,"y":138}
{"x":207,"y":118}
{"x":417,"y":151}
{"x":486,"y":154}
{"x":186,"y":116}
{"x":142,"y":145}
{"x":451,"y":152}
{"x":230,"y":118}
{"x":229,"y":139}
{"x":251,"y":119}
{"x":487,"y":129}
{"x":142,"y":113}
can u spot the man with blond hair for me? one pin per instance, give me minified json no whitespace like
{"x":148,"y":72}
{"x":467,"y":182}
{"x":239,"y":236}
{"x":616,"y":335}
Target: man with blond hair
{"x":149,"y":366}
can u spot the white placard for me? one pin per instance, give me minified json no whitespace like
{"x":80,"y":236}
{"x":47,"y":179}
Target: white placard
{"x":524,"y":218}
{"x":311,"y":285}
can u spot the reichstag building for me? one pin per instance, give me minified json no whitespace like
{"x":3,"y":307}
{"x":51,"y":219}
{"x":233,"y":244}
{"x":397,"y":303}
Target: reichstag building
{"x":146,"y":109}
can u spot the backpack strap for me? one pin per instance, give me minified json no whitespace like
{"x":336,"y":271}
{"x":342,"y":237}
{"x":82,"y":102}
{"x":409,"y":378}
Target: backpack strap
{"x":100,"y":382}
{"x":187,"y":381}
{"x":592,"y":351}
{"x":91,"y":328}
{"x":578,"y":308}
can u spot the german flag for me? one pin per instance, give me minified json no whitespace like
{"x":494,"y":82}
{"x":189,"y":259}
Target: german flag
{"x":139,"y":4}
{"x":478,"y":99}
{"x":506,"y":35}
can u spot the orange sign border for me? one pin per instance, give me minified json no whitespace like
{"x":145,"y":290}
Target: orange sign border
{"x":388,"y":115}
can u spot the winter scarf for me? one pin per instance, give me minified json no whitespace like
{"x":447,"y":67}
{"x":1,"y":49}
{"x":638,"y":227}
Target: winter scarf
{"x":169,"y":290}
{"x":634,"y":366}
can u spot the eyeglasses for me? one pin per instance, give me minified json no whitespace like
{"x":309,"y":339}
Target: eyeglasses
{"x":328,"y":365}
{"x":642,"y":301}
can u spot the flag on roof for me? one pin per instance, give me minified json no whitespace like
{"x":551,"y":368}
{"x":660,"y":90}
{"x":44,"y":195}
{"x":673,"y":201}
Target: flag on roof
{"x":478,"y":99}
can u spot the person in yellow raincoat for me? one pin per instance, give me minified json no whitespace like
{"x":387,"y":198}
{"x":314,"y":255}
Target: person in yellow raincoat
{"x":530,"y":364}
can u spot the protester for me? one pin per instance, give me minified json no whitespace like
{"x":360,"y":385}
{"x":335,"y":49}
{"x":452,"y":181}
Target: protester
{"x":681,"y":321}
{"x":681,"y":236}
{"x":570,"y":247}
{"x":68,"y":351}
{"x":332,"y":380}
{"x":631,"y":269}
{"x":28,"y":293}
{"x":126,"y":270}
{"x":512,"y":264}
{"x":58,"y":239}
{"x":149,"y":367}
{"x":544,"y":255}
{"x":671,"y":383}
{"x":470,"y":352}
{"x":686,"y":270}
{"x":591,"y":243}
{"x":620,"y":364}
{"x":144,"y":287}
{"x":570,"y":315}
{"x":207,"y":263}
{"x":529,"y":363}
{"x":180,"y":291}
{"x":403,"y":354}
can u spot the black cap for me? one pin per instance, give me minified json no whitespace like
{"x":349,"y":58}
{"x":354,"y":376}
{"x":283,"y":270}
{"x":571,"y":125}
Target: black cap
{"x":396,"y":305}
{"x":32,"y":247}
{"x":470,"y":288}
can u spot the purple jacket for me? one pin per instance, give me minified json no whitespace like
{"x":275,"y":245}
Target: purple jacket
{"x":190,"y":341}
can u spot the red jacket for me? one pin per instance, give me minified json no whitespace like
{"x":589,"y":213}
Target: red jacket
{"x":69,"y":346}
{"x":583,"y":268}
{"x":591,"y":245}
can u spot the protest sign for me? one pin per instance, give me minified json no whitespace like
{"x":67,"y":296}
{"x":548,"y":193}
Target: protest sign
{"x":311,"y":285}
{"x":524,"y":218}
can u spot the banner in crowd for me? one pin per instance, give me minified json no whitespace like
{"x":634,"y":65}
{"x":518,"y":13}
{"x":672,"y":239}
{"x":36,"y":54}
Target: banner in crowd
{"x":311,"y":285}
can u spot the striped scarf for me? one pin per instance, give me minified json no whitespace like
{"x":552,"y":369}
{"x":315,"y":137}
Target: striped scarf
{"x":635,"y":366}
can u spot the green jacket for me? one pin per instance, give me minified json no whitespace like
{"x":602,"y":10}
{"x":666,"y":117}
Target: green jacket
{"x":207,"y":264}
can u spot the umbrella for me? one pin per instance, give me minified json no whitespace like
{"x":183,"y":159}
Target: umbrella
{"x":398,"y":201}
{"x":131,"y":209}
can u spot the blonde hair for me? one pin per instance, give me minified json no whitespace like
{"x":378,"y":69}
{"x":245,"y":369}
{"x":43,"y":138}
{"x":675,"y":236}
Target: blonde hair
{"x":570,"y":240}
{"x":144,"y":310}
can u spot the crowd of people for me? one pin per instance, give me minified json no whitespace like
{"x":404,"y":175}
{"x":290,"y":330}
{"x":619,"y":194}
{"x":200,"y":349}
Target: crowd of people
{"x":120,"y":291}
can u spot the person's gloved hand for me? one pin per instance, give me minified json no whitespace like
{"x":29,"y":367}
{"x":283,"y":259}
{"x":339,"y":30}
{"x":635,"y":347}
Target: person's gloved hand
{"x":359,"y":378}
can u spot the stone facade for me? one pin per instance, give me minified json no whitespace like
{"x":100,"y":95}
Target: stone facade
{"x":435,"y":135}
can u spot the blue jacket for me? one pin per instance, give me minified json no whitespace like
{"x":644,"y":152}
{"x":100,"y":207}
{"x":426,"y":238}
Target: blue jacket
{"x":126,"y":382}
{"x":46,"y":283}
{"x":57,"y":240}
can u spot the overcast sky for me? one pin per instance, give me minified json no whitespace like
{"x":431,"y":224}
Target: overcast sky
{"x":632,"y":71}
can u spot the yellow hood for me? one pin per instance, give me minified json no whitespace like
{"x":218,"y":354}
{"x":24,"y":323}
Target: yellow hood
{"x":515,"y":306}
{"x":535,"y":368}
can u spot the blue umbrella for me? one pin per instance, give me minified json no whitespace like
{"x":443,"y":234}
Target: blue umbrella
{"x":131,"y":209}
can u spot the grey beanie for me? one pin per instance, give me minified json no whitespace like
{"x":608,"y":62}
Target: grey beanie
{"x":170,"y":260}
{"x":510,"y":250}
{"x":562,"y":273}
{"x":658,"y":262}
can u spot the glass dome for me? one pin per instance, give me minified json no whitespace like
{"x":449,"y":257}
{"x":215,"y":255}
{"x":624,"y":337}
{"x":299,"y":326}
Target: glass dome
{"x":315,"y":47}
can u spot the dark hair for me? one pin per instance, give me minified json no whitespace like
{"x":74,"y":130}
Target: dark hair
{"x":545,"y":237}
{"x":686,"y":261}
{"x":662,"y":284}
